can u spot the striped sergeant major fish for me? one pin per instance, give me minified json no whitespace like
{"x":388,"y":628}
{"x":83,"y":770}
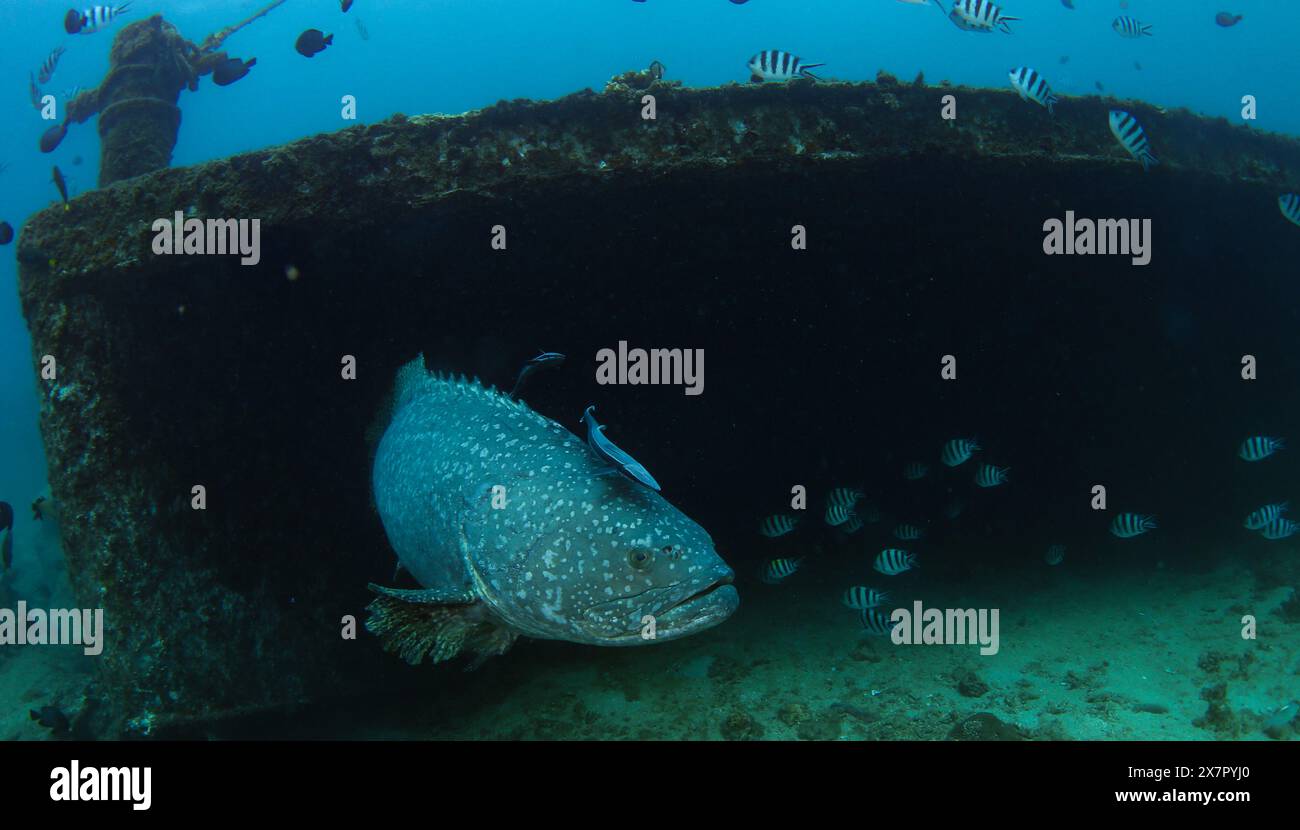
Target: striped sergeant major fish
{"x":838,"y":514}
{"x":1279,"y":528}
{"x":610,"y":453}
{"x":1055,"y":554}
{"x":894,"y":561}
{"x":1131,"y":27}
{"x":51,"y":63}
{"x":1289,"y":204}
{"x":779,"y":569}
{"x":908,"y":533}
{"x":1259,"y":447}
{"x":915,"y":470}
{"x":1128,"y":525}
{"x":1128,"y":132}
{"x":990,"y":476}
{"x":860,"y":598}
{"x":878,"y":622}
{"x":1033,"y":87}
{"x":93,"y":19}
{"x":979,"y":16}
{"x":777,"y":524}
{"x":1265,"y":516}
{"x":958,"y":451}
{"x":844,"y":496}
{"x":775,"y":65}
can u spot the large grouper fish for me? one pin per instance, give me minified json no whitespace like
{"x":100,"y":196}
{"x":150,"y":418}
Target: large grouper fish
{"x":515,"y":528}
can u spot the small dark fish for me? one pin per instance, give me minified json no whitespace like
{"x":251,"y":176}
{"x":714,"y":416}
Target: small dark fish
{"x":362,"y":30}
{"x":1225,"y":20}
{"x":1069,"y":4}
{"x":345,"y":5}
{"x":51,"y":63}
{"x":53,"y":137}
{"x":544,"y":360}
{"x":1100,"y":88}
{"x":312,"y":42}
{"x":231,"y":70}
{"x":34,"y":91}
{"x":37,"y":507}
{"x":1137,"y":66}
{"x":1065,"y":59}
{"x":6,"y":515}
{"x":62,"y":186}
{"x":607,"y":451}
{"x":52,"y":718}
{"x":657,"y":70}
{"x":76,"y":161}
{"x":6,"y":233}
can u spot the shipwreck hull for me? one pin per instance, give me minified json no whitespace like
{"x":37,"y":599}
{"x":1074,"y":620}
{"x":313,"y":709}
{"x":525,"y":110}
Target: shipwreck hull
{"x":176,"y":371}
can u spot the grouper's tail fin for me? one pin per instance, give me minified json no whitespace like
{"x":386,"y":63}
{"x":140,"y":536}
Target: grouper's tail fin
{"x":420,"y":623}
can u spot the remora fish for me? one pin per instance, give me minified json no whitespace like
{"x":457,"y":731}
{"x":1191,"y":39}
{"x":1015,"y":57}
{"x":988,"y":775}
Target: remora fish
{"x":562,"y":552}
{"x":614,"y":456}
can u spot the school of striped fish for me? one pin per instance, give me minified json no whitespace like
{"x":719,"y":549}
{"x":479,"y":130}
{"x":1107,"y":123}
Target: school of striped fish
{"x":847,"y":510}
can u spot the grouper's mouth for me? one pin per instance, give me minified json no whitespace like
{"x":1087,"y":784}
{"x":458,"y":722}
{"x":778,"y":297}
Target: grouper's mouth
{"x":678,"y":611}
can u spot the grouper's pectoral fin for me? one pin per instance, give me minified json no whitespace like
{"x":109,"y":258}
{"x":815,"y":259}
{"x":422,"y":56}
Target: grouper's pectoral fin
{"x":435,"y":623}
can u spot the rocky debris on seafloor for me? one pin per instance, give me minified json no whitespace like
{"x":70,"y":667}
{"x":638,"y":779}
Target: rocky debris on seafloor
{"x":1212,"y":663}
{"x":824,"y":727}
{"x":793,"y":714}
{"x":984,"y":726}
{"x":970,"y":685}
{"x":1289,"y":611}
{"x":739,"y":725}
{"x":1087,"y":681}
{"x":1218,"y":718}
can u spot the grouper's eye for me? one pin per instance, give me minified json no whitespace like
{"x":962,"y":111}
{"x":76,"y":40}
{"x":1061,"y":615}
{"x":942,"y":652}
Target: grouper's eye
{"x":640,"y":558}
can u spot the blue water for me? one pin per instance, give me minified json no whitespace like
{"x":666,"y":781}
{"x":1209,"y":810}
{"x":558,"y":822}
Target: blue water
{"x":455,"y":55}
